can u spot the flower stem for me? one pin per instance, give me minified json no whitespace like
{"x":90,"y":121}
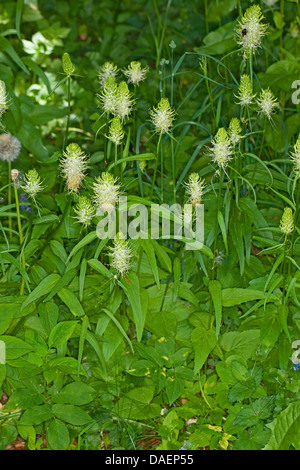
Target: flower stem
{"x":9,"y":198}
{"x":156,"y":164}
{"x":21,"y":239}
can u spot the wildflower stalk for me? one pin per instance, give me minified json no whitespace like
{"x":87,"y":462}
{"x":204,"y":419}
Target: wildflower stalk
{"x":156,"y":164}
{"x":68,"y":69}
{"x":69,"y":111}
{"x":21,"y":238}
{"x":9,"y":198}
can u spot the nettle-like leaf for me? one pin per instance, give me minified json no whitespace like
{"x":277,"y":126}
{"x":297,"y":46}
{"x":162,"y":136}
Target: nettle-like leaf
{"x":285,"y":429}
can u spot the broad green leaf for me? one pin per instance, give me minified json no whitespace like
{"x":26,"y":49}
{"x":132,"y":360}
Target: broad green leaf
{"x":15,"y":347}
{"x":61,"y":333}
{"x":36,"y":415}
{"x":71,"y":414}
{"x":203,"y":342}
{"x":71,"y":301}
{"x":58,"y":436}
{"x":236,"y":296}
{"x":75,"y":393}
{"x":44,"y":287}
{"x":285,"y":429}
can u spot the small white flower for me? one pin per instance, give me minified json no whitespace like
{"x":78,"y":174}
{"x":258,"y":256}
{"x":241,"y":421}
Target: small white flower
{"x":10,"y":147}
{"x":267,"y":103}
{"x":121,"y":255}
{"x":162,"y":117}
{"x":109,"y":69}
{"x":135,"y":73}
{"x":84,"y":211}
{"x":73,"y":166}
{"x":194,"y":189}
{"x":251,"y":30}
{"x":32,"y":183}
{"x":106,"y":192}
{"x":221,"y":148}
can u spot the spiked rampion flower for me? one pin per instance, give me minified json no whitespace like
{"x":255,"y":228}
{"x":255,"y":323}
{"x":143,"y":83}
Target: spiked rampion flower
{"x":267,"y":103}
{"x":194,"y":189}
{"x":116,"y":133}
{"x":121,"y":254}
{"x":32,"y":183}
{"x":245,"y":91}
{"x":109,"y":69}
{"x":73,"y":166}
{"x":124,"y":101}
{"x":10,"y":147}
{"x":135,"y":73}
{"x":67,"y":65}
{"x":106,"y":192}
{"x":287,"y":222}
{"x":163,"y":116}
{"x":84,"y":210}
{"x":221,"y":148}
{"x":251,"y":30}
{"x":107,"y":97}
{"x":3,"y":98}
{"x":235,"y":131}
{"x":295,"y":156}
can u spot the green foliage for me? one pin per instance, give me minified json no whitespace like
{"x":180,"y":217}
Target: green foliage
{"x":183,"y":347}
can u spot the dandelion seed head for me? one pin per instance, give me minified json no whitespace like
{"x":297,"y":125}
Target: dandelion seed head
{"x":10,"y":147}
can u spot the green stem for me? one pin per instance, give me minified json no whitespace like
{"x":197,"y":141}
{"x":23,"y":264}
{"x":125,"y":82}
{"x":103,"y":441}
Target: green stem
{"x":156,"y":165}
{"x":9,"y":198}
{"x":21,"y":239}
{"x":284,"y":271}
{"x":69,"y":112}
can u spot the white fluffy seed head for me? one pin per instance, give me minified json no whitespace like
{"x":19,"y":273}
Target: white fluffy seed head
{"x":73,"y":166}
{"x":162,"y":117}
{"x":106,"y":192}
{"x":10,"y":147}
